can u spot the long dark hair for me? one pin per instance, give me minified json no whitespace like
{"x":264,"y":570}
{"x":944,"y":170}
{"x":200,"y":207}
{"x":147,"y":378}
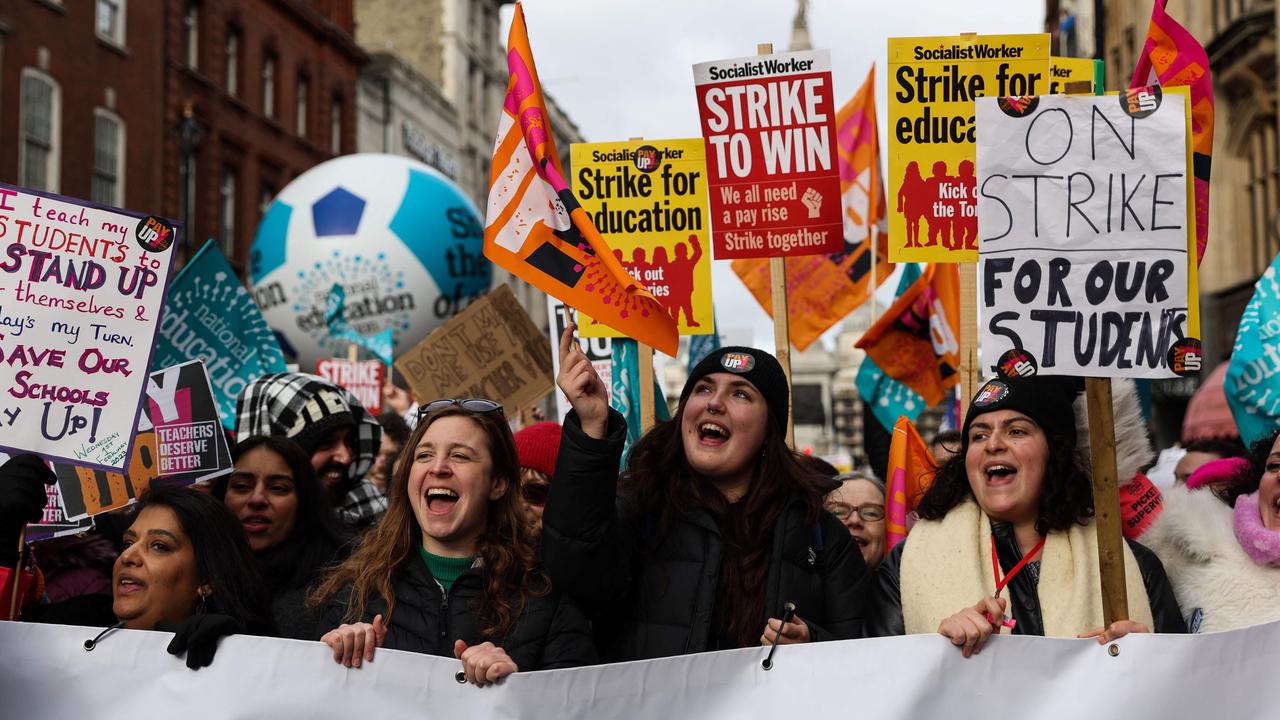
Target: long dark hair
{"x":1065,"y":500}
{"x":317,"y":535}
{"x":658,"y":483}
{"x":1245,"y":484}
{"x":506,"y":549}
{"x":223,"y":559}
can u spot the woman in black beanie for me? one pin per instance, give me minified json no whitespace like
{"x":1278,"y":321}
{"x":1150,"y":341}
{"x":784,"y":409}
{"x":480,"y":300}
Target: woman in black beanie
{"x":1006,"y":541}
{"x":712,"y":527}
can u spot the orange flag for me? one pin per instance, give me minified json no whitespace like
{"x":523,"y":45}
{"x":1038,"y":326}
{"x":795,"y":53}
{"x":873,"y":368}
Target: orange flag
{"x":535,"y":228}
{"x":823,"y":289}
{"x":911,"y":471}
{"x":915,"y":341}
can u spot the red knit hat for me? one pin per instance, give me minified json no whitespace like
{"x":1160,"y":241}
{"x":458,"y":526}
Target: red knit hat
{"x":538,"y":445}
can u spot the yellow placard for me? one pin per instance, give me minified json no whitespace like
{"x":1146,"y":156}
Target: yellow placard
{"x":648,"y":199}
{"x":932,"y":83}
{"x":1063,"y":70}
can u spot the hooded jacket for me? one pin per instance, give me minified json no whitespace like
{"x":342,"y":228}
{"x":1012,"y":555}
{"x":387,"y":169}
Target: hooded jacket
{"x":654,"y":596}
{"x":551,"y":632}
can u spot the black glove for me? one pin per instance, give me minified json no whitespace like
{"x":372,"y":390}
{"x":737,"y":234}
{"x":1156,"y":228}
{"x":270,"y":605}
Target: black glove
{"x":22,"y":500}
{"x":198,"y":637}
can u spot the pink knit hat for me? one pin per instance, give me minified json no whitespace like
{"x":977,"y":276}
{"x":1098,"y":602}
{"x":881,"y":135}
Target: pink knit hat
{"x":538,"y":445}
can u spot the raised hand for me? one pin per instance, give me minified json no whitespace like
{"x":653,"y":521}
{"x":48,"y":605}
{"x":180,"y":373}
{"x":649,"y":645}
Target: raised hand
{"x":580,"y":382}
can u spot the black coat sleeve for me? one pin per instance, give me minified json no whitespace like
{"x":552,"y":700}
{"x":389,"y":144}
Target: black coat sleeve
{"x":1165,"y":613}
{"x":569,"y":642}
{"x":333,"y":613}
{"x":586,"y":549}
{"x":844,"y":585}
{"x":884,"y":614}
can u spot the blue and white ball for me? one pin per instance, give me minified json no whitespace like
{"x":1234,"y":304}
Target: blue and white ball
{"x":403,"y":240}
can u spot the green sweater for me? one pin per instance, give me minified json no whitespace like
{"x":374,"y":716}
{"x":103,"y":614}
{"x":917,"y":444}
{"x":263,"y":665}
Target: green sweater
{"x":445,"y":569}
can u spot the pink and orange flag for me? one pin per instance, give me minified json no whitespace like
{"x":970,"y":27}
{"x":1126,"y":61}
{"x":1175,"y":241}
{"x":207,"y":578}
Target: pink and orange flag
{"x":911,"y":470}
{"x":1172,"y":57}
{"x":916,"y":341}
{"x":823,"y":289}
{"x":534,"y":227}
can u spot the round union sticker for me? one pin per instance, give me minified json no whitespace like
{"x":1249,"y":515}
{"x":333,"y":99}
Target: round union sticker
{"x":154,"y":234}
{"x":1016,"y":363}
{"x":737,"y":362}
{"x":991,"y":393}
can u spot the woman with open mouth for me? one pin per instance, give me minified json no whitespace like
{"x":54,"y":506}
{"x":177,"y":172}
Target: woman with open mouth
{"x":711,"y":530}
{"x":451,"y":570}
{"x":1006,"y":541}
{"x":294,"y":535}
{"x":1223,"y":560}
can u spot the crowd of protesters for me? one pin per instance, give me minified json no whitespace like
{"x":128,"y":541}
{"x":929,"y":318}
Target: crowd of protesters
{"x":436,"y":529}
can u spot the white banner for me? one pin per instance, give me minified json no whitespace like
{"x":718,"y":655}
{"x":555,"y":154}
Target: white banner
{"x":46,"y":673}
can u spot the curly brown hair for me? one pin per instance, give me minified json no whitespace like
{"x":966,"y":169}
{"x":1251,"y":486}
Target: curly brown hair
{"x":511,"y":570}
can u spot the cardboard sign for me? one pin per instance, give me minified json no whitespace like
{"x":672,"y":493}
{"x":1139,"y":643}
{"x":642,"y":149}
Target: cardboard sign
{"x":489,"y":350}
{"x":80,"y":293}
{"x":769,"y":126}
{"x":1067,"y":70}
{"x":648,"y":199}
{"x":190,"y":442}
{"x":364,"y":378}
{"x":599,"y":350}
{"x":210,"y":316}
{"x":932,"y":85}
{"x":90,"y":491}
{"x":1083,"y":218}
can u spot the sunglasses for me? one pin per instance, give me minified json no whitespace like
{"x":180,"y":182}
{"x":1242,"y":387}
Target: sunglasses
{"x":870,"y":512}
{"x":535,"y":493}
{"x":477,"y":405}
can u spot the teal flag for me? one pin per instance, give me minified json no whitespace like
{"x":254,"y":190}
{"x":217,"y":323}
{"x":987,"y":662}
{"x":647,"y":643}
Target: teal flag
{"x":889,"y":398}
{"x":1252,"y":384}
{"x":379,"y":344}
{"x":701,"y":346}
{"x":625,"y":393}
{"x":210,"y":316}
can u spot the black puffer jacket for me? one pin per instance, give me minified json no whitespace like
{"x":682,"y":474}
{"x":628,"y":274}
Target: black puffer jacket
{"x":654,"y":596}
{"x":550,"y":633}
{"x":885,"y":613}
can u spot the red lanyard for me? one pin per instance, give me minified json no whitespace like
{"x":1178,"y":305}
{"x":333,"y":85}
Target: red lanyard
{"x":995,"y":564}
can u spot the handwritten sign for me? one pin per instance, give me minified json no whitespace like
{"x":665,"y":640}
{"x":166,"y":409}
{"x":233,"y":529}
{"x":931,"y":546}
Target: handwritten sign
{"x":81,"y":287}
{"x":769,"y":126}
{"x":1084,"y":233}
{"x":933,"y":82}
{"x":648,"y":198}
{"x":599,"y":350}
{"x":489,"y":350}
{"x":364,"y":378}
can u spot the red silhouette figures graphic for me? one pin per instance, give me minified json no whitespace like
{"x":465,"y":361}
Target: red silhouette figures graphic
{"x":964,"y":227}
{"x":912,"y":202}
{"x":940,"y":209}
{"x":680,"y":281}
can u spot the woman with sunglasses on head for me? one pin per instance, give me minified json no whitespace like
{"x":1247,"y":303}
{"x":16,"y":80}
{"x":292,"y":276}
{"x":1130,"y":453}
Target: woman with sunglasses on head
{"x":859,"y":503}
{"x":712,"y":527}
{"x":451,"y":569}
{"x":1006,"y":540}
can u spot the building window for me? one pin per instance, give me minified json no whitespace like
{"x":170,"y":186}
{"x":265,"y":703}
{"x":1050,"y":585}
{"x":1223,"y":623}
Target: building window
{"x":108,"y":158}
{"x":232,"y":55}
{"x":227,"y":212}
{"x":41,"y":124}
{"x":265,"y":196}
{"x":1264,"y":192}
{"x":110,"y":21}
{"x":191,"y":35}
{"x":269,"y":85}
{"x":335,"y":127}
{"x":300,"y":113}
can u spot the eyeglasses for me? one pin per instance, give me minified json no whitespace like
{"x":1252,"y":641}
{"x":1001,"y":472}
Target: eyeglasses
{"x":478,"y":405}
{"x":871,"y":512}
{"x":535,"y":493}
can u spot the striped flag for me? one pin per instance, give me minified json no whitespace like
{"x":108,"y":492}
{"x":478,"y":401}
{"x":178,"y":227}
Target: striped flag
{"x":823,"y":289}
{"x":535,"y":228}
{"x":911,"y":471}
{"x":1172,"y":57}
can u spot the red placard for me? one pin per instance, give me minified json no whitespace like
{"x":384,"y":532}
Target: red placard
{"x":363,"y":378}
{"x":769,"y":126}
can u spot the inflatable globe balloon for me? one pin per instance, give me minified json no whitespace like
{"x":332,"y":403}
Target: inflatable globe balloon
{"x":401,"y":240}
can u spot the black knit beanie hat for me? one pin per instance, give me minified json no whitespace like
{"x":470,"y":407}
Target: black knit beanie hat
{"x":755,"y":366}
{"x":1046,"y":399}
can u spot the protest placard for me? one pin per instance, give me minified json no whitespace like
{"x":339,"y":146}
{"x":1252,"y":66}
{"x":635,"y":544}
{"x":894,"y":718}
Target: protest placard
{"x":83,"y":285}
{"x":932,"y":85}
{"x":599,"y":350}
{"x":364,"y":378}
{"x":769,"y":126}
{"x":1083,"y":218}
{"x":648,"y":199}
{"x":1064,"y":71}
{"x":489,"y":350}
{"x":190,"y":442}
{"x":88,"y":491}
